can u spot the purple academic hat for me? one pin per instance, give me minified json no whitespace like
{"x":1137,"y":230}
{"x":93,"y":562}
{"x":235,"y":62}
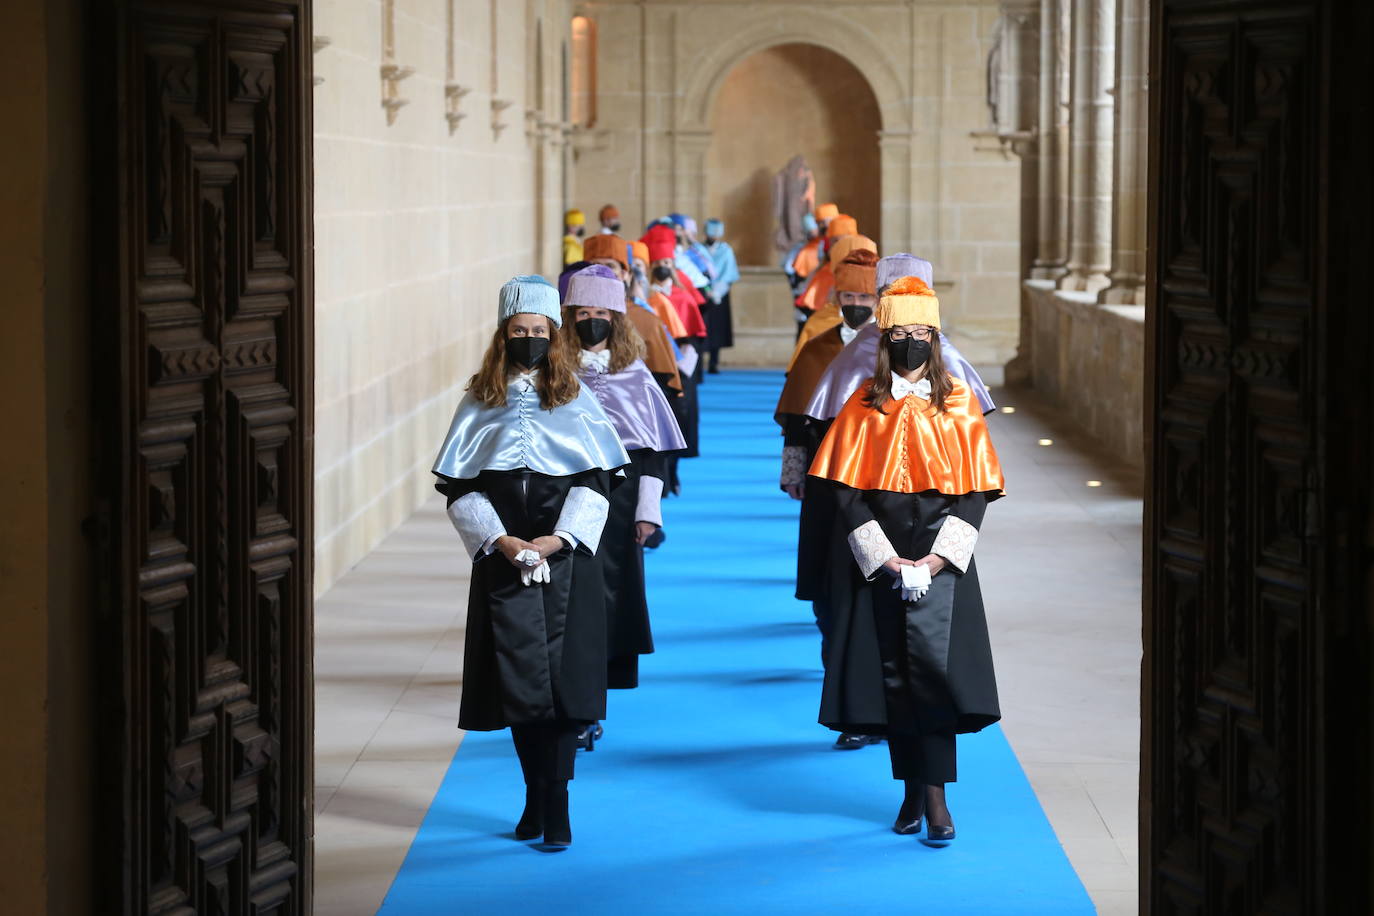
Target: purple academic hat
{"x":903,"y":265}
{"x":595,"y":287}
{"x":566,"y":275}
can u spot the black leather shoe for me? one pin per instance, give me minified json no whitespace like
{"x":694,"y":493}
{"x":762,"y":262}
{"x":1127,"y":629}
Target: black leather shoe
{"x":851,"y":742}
{"x":557,"y":824}
{"x":532,"y":819}
{"x":586,"y":739}
{"x":906,"y":823}
{"x":937,"y":835}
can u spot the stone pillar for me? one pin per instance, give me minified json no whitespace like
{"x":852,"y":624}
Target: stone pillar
{"x":1130,"y":174}
{"x":896,"y":192}
{"x":1052,"y":143}
{"x":1090,"y":146}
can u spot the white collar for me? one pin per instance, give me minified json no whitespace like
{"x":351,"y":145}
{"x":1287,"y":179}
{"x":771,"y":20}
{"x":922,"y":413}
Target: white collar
{"x":600,"y":360}
{"x":847,"y":334}
{"x":901,"y":387}
{"x":666,"y":288}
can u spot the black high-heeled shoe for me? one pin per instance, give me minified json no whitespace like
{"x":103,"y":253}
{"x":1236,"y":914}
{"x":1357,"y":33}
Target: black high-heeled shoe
{"x":586,"y":739}
{"x":532,"y":818}
{"x":909,"y":816}
{"x":557,"y":823}
{"x":938,"y":835}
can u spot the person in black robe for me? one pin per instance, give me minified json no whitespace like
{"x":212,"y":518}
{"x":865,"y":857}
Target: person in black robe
{"x":913,"y":469}
{"x":527,"y":469}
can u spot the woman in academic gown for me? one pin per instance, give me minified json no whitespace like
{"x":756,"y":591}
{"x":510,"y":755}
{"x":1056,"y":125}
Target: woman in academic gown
{"x":527,"y":467}
{"x":913,"y":468}
{"x":600,"y":337}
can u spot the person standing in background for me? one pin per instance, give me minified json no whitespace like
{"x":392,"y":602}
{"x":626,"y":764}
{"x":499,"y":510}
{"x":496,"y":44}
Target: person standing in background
{"x":574,"y":227}
{"x":720,"y":325}
{"x":610,"y":220}
{"x":804,"y":257}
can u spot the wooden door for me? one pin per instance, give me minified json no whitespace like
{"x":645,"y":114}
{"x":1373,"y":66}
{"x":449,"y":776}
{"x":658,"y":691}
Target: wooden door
{"x":1256,"y":701}
{"x":204,"y":154}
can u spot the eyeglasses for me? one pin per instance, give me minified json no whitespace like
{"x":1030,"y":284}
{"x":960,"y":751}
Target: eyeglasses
{"x":903,"y":334}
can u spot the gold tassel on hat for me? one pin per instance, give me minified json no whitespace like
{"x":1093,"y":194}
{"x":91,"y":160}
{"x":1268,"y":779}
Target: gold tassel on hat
{"x":908,"y":301}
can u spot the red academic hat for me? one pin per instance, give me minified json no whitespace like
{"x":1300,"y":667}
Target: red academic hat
{"x":661,"y":241}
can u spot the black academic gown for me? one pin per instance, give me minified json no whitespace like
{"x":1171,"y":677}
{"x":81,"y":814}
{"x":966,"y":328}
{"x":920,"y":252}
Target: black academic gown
{"x":628,"y":632}
{"x":533,"y":654}
{"x":906,"y":668}
{"x":816,"y":521}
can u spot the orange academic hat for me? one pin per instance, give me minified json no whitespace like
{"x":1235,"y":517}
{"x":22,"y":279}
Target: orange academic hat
{"x":843,"y":224}
{"x":842,"y":248}
{"x":605,"y":245}
{"x":641,"y":252}
{"x":826,"y":211}
{"x":608,"y":213}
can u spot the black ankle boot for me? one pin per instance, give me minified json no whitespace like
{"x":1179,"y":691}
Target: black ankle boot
{"x":912,"y":810}
{"x":532,"y":818}
{"x":557,"y":826}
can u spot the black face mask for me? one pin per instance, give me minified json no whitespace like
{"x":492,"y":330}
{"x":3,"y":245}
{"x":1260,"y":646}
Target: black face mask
{"x":591,"y":331}
{"x":908,"y":355}
{"x":662,"y":273}
{"x":614,"y":227}
{"x":856,"y":316}
{"x":529,"y":352}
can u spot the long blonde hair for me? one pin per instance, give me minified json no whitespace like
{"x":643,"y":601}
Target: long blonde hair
{"x":625,"y":344}
{"x":556,"y":382}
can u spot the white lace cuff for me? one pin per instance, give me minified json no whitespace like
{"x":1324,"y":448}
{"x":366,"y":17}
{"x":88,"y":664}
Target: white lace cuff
{"x":476,"y":521}
{"x":870,"y":547}
{"x":584,"y":516}
{"x":793,"y":465}
{"x":955,"y":542}
{"x":650,"y":506}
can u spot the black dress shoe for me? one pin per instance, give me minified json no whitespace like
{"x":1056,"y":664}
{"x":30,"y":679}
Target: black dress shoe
{"x":586,"y":739}
{"x":938,"y":835}
{"x":532,"y":819}
{"x":557,"y":824}
{"x":907,"y":823}
{"x":852,"y":742}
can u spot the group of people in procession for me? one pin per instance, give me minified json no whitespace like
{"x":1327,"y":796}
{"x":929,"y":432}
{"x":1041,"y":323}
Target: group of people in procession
{"x":569,"y":437}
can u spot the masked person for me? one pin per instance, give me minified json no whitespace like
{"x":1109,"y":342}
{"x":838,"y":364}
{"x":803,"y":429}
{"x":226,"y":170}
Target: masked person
{"x":913,"y":468}
{"x":527,"y":470}
{"x":856,"y":289}
{"x":720,"y":325}
{"x":610,"y":220}
{"x":574,"y":227}
{"x":596,"y":329}
{"x":660,"y":353}
{"x":817,"y":291}
{"x":855,"y":363}
{"x":828,"y":315}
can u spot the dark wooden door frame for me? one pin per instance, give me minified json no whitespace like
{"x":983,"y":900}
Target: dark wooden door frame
{"x":203,"y":240}
{"x":1256,"y":686}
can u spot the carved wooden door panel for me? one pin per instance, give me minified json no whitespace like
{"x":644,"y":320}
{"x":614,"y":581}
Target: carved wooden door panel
{"x":1248,"y":765}
{"x":213,"y":520}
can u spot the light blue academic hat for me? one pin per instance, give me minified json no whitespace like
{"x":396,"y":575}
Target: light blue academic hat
{"x":530,"y":295}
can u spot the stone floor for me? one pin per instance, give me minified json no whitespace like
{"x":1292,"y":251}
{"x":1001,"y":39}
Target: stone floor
{"x":1060,"y":568}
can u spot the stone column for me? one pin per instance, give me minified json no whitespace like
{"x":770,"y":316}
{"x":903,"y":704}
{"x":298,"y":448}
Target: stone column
{"x":1131,"y":169}
{"x":1052,"y":143}
{"x":1090,"y":140}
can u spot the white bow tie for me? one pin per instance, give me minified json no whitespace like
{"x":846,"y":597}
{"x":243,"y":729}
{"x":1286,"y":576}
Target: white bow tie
{"x":901,"y":387}
{"x":600,"y":360}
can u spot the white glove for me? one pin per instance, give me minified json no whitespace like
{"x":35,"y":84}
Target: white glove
{"x":537,"y":576}
{"x":914,"y":583}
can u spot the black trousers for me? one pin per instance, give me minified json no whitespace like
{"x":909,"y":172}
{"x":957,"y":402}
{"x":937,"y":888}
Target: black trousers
{"x":928,"y":759}
{"x":547,"y":751}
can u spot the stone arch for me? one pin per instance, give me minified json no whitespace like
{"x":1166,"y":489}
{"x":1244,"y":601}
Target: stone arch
{"x":855,"y":43}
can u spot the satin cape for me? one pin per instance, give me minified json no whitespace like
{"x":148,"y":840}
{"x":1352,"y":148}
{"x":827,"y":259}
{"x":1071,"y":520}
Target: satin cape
{"x":818,"y":289}
{"x":669,"y":314}
{"x":806,"y":371}
{"x":829,"y":316}
{"x":807,"y":259}
{"x":913,"y":448}
{"x":566,"y":440}
{"x":658,"y":346}
{"x":854,"y":366}
{"x":636,"y":406}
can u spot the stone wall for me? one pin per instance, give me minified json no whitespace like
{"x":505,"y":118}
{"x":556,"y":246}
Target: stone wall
{"x":950,"y":190}
{"x":419,"y":218}
{"x":1088,"y":359}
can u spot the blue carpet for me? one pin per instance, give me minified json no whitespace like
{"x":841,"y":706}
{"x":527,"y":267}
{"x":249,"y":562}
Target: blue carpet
{"x":714,"y":790}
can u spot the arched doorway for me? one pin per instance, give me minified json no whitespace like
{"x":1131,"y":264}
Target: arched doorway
{"x":778,"y":102}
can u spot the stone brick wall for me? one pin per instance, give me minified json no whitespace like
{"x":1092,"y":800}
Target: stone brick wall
{"x":416,"y":228}
{"x":950,"y":191}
